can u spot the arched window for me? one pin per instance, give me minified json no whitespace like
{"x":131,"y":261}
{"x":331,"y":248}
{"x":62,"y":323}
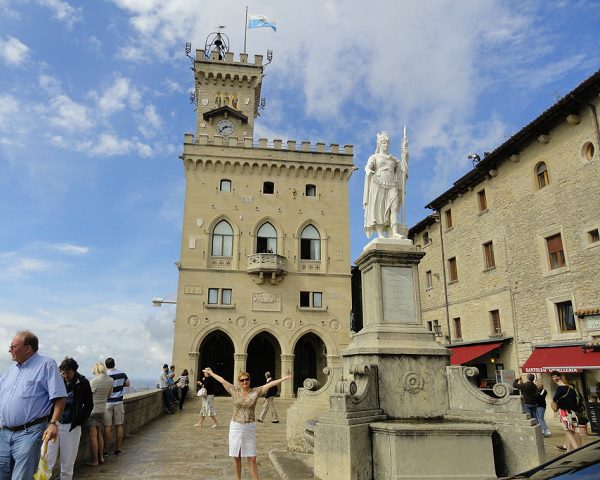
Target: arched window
{"x":541,"y":173}
{"x":266,"y":239}
{"x":310,"y":244}
{"x":222,"y":240}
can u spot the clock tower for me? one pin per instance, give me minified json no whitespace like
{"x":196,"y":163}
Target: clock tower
{"x":227,"y":93}
{"x":264,"y":271}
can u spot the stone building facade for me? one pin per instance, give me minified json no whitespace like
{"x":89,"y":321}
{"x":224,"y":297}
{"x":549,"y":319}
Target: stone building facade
{"x":511,"y":275}
{"x":264,"y":273}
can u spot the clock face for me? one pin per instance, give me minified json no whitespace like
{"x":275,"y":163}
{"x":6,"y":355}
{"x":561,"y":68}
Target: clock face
{"x":225,"y":127}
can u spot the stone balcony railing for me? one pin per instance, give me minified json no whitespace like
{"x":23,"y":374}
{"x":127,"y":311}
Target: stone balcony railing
{"x":271,"y":265}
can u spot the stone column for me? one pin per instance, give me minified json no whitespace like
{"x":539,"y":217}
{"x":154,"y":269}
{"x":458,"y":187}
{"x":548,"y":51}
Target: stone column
{"x":193,"y":368}
{"x":287,"y":368}
{"x":239,"y":365}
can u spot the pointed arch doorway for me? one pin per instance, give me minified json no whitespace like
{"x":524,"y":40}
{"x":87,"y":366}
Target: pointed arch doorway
{"x":310,"y":358}
{"x":264,"y":355}
{"x":216,"y":352}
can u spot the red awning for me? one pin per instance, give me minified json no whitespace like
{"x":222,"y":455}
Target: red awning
{"x":467,"y":353}
{"x":562,"y":359}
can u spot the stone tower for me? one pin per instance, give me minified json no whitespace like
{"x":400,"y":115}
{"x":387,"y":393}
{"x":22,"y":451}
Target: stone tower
{"x":264,"y":272}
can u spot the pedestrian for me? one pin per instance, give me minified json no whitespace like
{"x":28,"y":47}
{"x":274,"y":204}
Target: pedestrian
{"x":184,"y":385}
{"x":32,"y":400}
{"x":541,"y":407}
{"x":163,"y":384}
{"x":269,"y":402}
{"x":173,"y":384}
{"x":207,"y":409}
{"x":115,"y":411}
{"x":565,"y":404}
{"x":102,"y":386}
{"x":528,"y":391}
{"x":242,"y":429}
{"x":78,"y":408}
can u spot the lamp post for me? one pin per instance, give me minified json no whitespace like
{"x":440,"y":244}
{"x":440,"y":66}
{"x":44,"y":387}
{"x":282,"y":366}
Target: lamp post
{"x":158,"y":302}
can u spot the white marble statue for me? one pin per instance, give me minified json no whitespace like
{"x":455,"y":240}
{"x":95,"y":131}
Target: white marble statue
{"x":385,"y":189}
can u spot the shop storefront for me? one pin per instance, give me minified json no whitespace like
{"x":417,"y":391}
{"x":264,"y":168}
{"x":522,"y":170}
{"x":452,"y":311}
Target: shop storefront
{"x":488,"y":357}
{"x":581,"y":366}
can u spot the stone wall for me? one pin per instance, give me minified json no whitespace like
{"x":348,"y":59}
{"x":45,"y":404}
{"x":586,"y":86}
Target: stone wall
{"x":518,"y":218}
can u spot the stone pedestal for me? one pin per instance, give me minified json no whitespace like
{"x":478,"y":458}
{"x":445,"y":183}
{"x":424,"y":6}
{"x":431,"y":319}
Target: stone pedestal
{"x":418,"y":451}
{"x":412,"y":381}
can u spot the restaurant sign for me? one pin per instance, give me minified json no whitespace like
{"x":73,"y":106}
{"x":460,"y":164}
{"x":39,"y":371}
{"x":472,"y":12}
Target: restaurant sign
{"x":551,"y":369}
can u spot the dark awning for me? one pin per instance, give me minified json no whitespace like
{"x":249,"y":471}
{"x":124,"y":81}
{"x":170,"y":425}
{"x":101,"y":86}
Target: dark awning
{"x":563,"y":359}
{"x":466,"y":353}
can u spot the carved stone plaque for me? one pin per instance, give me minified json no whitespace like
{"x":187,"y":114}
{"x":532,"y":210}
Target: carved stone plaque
{"x":246,"y":199}
{"x":398,"y":295}
{"x":192,"y":289}
{"x":266,"y":302}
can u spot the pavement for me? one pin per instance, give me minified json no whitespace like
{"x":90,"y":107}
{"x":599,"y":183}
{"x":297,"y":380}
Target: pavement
{"x":171,"y":447}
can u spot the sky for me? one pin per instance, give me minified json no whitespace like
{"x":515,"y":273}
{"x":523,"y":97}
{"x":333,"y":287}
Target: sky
{"x":94,"y":102}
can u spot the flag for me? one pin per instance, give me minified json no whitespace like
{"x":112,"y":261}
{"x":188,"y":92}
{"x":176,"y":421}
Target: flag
{"x":257,"y":21}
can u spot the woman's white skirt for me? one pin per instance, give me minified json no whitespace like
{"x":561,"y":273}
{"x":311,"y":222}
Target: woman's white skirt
{"x":242,"y":439}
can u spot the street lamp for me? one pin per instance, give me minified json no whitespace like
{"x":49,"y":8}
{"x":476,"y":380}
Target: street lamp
{"x":158,"y":302}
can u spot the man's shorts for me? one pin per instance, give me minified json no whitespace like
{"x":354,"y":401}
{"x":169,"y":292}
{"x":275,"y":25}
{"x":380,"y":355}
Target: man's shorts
{"x":95,"y":420}
{"x":115,"y":414}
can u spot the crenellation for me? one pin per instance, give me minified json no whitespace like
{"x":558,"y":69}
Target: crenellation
{"x":276,"y":144}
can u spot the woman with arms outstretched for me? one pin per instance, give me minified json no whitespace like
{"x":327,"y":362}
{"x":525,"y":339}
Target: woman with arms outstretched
{"x":242,"y":429}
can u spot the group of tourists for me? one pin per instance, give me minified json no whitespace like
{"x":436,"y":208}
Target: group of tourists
{"x":41,"y":401}
{"x":564,"y":403}
{"x":174,"y":391}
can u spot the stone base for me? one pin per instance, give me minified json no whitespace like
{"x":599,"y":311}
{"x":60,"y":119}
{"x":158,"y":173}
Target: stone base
{"x":414,"y":451}
{"x":411,"y":384}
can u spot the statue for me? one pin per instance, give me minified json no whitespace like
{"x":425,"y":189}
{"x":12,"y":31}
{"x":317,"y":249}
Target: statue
{"x":385,"y":189}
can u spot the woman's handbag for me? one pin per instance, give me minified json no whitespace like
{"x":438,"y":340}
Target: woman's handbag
{"x":202,"y":392}
{"x":43,"y":472}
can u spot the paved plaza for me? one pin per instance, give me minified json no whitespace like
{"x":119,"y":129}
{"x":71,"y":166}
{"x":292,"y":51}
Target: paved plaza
{"x":171,"y":447}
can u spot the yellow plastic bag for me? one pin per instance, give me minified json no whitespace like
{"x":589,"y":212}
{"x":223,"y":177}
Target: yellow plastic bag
{"x":43,"y":472}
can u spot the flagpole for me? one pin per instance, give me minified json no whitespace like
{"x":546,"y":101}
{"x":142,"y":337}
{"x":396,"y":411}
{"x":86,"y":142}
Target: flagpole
{"x":245,"y":28}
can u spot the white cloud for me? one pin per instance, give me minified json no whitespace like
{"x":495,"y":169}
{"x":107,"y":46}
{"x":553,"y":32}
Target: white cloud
{"x":144,"y":335}
{"x":64,"y":113}
{"x":117,"y":96}
{"x":13,"y":266}
{"x":72,"y":249}
{"x":63,"y":11}
{"x":109,"y":144}
{"x":13,"y":51}
{"x":9,"y":108}
{"x":50,"y":84}
{"x":149,"y":121}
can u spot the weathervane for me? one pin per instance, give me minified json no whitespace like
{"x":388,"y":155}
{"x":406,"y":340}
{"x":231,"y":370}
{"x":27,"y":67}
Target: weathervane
{"x":217,"y":41}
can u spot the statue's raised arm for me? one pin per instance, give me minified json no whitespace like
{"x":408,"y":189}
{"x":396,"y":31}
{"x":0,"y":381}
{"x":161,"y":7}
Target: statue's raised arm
{"x":383,"y":195}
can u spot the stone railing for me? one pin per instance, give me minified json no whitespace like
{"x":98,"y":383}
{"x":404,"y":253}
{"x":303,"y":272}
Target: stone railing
{"x":140,"y":408}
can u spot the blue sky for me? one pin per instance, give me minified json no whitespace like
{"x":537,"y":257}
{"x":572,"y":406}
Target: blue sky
{"x":94,"y":105}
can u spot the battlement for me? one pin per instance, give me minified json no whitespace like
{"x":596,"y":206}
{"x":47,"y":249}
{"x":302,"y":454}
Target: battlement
{"x":263,"y":143}
{"x":243,"y":58}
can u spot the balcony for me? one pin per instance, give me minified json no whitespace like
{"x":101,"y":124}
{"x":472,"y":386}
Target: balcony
{"x":269,"y":266}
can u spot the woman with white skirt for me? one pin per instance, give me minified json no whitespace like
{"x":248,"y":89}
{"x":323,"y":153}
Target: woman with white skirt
{"x":242,"y":429}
